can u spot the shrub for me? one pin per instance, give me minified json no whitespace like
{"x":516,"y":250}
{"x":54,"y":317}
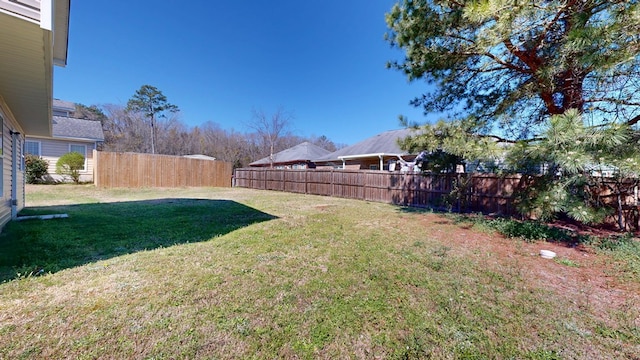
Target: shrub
{"x":36,"y":168}
{"x":70,"y":165}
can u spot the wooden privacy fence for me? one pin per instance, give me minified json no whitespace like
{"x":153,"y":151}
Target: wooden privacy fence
{"x":462,"y":192}
{"x":132,"y":170}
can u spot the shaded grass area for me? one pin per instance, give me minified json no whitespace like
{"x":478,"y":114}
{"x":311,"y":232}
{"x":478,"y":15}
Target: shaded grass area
{"x":326,"y":278}
{"x":103,"y":230}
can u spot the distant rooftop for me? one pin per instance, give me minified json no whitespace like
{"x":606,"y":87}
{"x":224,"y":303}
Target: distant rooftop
{"x":199,"y":157}
{"x":384,"y":143}
{"x":63,"y":105}
{"x":66,"y":127}
{"x":305,"y":151}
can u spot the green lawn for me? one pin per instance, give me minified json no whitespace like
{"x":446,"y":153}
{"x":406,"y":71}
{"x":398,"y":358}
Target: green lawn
{"x":236,"y":273}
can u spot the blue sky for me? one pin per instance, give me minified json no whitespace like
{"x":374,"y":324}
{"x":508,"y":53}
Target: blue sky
{"x":322,"y":60}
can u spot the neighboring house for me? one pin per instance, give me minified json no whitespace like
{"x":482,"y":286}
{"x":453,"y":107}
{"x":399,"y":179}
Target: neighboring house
{"x":69,"y":134}
{"x":63,"y":108}
{"x":374,"y":153}
{"x":29,"y":47}
{"x":297,"y":157}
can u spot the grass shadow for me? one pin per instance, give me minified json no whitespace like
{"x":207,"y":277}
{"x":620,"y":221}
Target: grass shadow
{"x":105,"y":230}
{"x":415,"y":209}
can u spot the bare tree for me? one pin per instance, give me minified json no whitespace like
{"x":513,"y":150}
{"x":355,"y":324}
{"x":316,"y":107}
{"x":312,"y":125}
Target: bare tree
{"x":127,"y":130}
{"x":324,"y":142}
{"x":173,"y":137}
{"x":270,"y":128}
{"x":124,"y":130}
{"x":226,"y":145}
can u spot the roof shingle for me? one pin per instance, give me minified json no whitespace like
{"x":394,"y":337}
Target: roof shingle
{"x":383,"y":143}
{"x":66,"y":127}
{"x":301,"y":152}
{"x":63,"y":105}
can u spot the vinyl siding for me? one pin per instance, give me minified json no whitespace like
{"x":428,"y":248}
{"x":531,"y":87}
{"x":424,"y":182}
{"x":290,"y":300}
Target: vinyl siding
{"x":52,"y":149}
{"x":9,"y":124}
{"x":27,"y":8}
{"x":5,"y":197}
{"x":21,"y":177}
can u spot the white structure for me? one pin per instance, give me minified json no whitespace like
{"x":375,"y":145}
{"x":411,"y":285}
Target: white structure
{"x":29,"y":47}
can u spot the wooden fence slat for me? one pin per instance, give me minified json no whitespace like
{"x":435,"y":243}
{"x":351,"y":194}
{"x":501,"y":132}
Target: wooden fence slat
{"x":486,"y":193}
{"x":133,"y":170}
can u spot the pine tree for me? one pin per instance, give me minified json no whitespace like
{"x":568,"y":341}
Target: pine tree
{"x":555,"y":80}
{"x":152,"y":103}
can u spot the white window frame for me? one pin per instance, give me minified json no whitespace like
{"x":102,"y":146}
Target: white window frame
{"x":85,"y":154}
{"x":36,"y":142}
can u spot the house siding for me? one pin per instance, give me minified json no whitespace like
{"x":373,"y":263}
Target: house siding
{"x":372,"y":163}
{"x":52,"y":149}
{"x":9,"y":124}
{"x":28,"y":9}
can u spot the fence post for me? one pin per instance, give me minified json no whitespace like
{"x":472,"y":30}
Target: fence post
{"x":473,"y":190}
{"x":331,"y":184}
{"x":95,"y":166}
{"x":458,"y":186}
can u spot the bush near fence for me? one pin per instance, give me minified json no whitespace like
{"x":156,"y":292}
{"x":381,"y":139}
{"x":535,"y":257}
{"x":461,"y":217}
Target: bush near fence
{"x":485,"y":193}
{"x":133,"y":170}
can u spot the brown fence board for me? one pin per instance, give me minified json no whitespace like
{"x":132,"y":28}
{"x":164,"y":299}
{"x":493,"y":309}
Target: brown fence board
{"x":484,"y":193}
{"x":487,"y":193}
{"x":134,"y":170}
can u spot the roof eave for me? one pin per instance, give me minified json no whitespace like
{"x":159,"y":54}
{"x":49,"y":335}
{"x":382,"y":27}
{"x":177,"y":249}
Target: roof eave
{"x":26,"y":74}
{"x":61,"y":33}
{"x":360,"y":156}
{"x":70,"y":138}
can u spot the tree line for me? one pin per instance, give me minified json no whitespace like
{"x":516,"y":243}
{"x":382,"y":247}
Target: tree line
{"x":148,"y":123}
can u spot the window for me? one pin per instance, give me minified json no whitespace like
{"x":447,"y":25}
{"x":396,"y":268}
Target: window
{"x":63,"y":113}
{"x":32,"y":148}
{"x":82,"y":149}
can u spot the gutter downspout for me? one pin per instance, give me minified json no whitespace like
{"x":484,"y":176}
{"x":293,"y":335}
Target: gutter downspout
{"x":381,"y":162}
{"x":344,"y":164}
{"x":14,"y":173}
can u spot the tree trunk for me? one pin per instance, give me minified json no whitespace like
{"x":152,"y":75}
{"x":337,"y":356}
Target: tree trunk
{"x":620,"y":214}
{"x":153,"y":136}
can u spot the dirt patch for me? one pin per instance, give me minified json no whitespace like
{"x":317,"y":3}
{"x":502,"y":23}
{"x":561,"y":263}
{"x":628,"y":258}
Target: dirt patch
{"x":577,"y":273}
{"x":601,"y":230}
